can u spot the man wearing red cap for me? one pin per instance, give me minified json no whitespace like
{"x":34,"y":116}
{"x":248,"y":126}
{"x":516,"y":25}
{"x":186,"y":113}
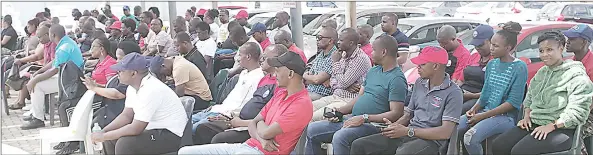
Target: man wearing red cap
{"x":242,"y":17}
{"x":430,"y":116}
{"x":115,"y":31}
{"x":201,"y":13}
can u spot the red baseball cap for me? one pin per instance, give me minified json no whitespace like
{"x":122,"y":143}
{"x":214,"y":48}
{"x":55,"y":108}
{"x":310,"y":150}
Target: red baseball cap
{"x":242,"y":14}
{"x":431,"y":54}
{"x":202,"y":11}
{"x":116,"y":25}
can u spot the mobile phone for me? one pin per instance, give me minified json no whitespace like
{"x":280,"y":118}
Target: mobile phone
{"x":226,"y":116}
{"x":328,"y":112}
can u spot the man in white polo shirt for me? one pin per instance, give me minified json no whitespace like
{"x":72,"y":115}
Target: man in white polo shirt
{"x":153,"y":119}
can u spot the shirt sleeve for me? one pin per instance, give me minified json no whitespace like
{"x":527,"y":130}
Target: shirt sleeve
{"x":162,"y":40}
{"x":398,"y":89}
{"x":292,"y":119}
{"x":517,"y":90}
{"x":129,"y":101}
{"x":402,"y":44}
{"x":61,"y":57}
{"x":412,"y":102}
{"x":453,"y":106}
{"x":461,"y":64}
{"x":580,"y":95}
{"x":180,"y":76}
{"x":346,"y":74}
{"x":210,"y":49}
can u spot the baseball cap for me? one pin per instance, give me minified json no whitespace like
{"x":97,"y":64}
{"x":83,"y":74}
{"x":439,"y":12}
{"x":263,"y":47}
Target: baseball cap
{"x":257,"y":27}
{"x":116,"y":25}
{"x":431,"y":54}
{"x":202,"y":11}
{"x":156,"y":63}
{"x":290,"y":60}
{"x":132,"y":61}
{"x":242,"y":14}
{"x":481,"y":34}
{"x":580,"y":30}
{"x":126,"y":7}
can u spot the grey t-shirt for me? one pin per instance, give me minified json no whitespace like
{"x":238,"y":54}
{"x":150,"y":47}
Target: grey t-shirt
{"x":430,"y":107}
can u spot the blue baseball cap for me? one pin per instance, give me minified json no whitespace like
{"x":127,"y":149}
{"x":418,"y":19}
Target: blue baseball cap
{"x":257,"y":27}
{"x":156,"y":63}
{"x":580,"y":30}
{"x":133,"y":61}
{"x":126,"y":7}
{"x":481,"y":34}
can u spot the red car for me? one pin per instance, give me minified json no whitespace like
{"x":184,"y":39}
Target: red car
{"x":527,"y":48}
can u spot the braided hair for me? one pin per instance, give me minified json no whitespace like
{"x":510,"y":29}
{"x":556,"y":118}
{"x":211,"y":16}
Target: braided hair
{"x":510,"y":31}
{"x":553,"y":35}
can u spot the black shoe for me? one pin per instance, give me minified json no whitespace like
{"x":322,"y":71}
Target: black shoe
{"x":28,"y":118}
{"x":33,"y":124}
{"x":69,"y":148}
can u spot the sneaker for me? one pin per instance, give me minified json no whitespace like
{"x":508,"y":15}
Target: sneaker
{"x":33,"y":124}
{"x":27,"y":107}
{"x":28,"y":113}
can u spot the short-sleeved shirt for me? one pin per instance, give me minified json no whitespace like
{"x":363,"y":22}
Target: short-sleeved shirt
{"x":264,"y":44}
{"x":297,"y":50}
{"x":504,"y":82}
{"x":207,"y":47}
{"x":458,"y":60}
{"x":402,"y":41}
{"x":214,"y":28}
{"x":368,"y":49}
{"x":223,"y":33}
{"x":349,"y":71}
{"x":430,"y":106}
{"x":275,"y":31}
{"x":380,"y":88}
{"x":242,"y":92}
{"x":187,"y":74}
{"x":13,"y":38}
{"x":321,"y":63}
{"x":68,"y":50}
{"x":292,"y":115}
{"x":49,"y":52}
{"x":261,"y":96}
{"x":158,"y":105}
{"x":588,"y":63}
{"x":161,"y":39}
{"x":103,"y":70}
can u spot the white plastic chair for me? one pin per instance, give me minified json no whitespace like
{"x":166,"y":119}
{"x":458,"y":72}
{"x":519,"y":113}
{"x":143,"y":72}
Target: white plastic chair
{"x":79,"y":129}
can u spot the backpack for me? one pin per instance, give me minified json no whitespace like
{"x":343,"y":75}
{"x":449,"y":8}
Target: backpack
{"x":71,"y":88}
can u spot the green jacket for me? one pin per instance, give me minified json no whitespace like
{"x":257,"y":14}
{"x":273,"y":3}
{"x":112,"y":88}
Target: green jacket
{"x":561,"y":93}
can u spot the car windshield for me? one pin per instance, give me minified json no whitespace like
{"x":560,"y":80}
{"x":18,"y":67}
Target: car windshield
{"x":533,"y":5}
{"x":312,"y":26}
{"x":476,"y":4}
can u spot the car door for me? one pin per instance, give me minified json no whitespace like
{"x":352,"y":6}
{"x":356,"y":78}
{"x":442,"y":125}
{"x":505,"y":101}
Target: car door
{"x":528,"y":49}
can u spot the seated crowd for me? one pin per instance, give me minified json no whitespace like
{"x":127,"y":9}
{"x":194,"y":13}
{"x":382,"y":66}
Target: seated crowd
{"x":258,"y":95}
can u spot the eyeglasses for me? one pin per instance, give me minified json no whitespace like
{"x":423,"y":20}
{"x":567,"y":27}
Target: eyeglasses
{"x":319,"y":37}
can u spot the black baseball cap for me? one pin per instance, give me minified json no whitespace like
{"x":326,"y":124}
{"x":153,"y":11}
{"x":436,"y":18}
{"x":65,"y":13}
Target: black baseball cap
{"x":290,"y":60}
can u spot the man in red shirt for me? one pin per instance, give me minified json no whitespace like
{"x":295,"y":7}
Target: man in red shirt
{"x":459,"y":56}
{"x":276,"y":130}
{"x":285,"y":38}
{"x":579,"y":40}
{"x":366,"y":32}
{"x":258,"y":32}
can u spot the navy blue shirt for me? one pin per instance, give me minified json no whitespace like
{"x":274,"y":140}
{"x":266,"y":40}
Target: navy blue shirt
{"x":402,"y":41}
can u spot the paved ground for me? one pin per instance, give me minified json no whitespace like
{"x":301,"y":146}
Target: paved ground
{"x":27,"y":140}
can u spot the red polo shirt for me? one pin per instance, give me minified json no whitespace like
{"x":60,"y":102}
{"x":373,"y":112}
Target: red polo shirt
{"x":264,"y":44}
{"x":588,"y":63}
{"x":297,"y":50}
{"x":368,"y":49}
{"x":463,"y":59}
{"x":103,"y":70}
{"x":292,"y":114}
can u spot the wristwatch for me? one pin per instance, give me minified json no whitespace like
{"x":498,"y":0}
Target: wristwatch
{"x":365,"y":117}
{"x":410,"y":132}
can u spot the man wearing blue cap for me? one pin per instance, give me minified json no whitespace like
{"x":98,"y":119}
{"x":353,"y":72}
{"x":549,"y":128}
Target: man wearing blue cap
{"x":153,"y":119}
{"x":579,"y":40}
{"x":258,"y":32}
{"x":475,"y":70}
{"x":127,"y":14}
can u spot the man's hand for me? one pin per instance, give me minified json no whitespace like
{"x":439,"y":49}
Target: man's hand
{"x":354,"y":88}
{"x":89,"y":83}
{"x":394,"y":130}
{"x":353,"y":122}
{"x":235,"y":122}
{"x":327,"y":84}
{"x":337,"y":56}
{"x":470,"y":113}
{"x":18,"y":62}
{"x":475,"y":119}
{"x":269,"y":145}
{"x":31,"y":85}
{"x":97,"y":137}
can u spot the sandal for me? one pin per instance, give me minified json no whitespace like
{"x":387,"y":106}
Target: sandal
{"x":16,"y":106}
{"x":71,"y":148}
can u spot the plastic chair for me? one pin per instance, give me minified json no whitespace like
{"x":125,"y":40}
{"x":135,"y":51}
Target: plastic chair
{"x":188,"y":105}
{"x":577,"y":143}
{"x":300,"y":146}
{"x":453,"y":146}
{"x":79,"y":129}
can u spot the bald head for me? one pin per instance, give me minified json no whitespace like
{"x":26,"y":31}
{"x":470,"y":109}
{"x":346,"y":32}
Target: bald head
{"x":276,"y":49}
{"x":57,"y":32}
{"x":329,"y":23}
{"x":349,"y":34}
{"x":392,"y":17}
{"x":283,"y":15}
{"x":283,"y":37}
{"x":386,"y":43}
{"x":238,"y":35}
{"x":143,"y":29}
{"x":446,"y":32}
{"x":366,"y":32}
{"x":281,"y":19}
{"x":252,"y":50}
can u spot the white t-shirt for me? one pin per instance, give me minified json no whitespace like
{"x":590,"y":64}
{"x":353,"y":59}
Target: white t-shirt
{"x":275,"y":31}
{"x":214,"y":30}
{"x":251,"y":39}
{"x":223,"y":33}
{"x":207,"y":47}
{"x":243,"y":92}
{"x":161,"y":39}
{"x":158,"y":105}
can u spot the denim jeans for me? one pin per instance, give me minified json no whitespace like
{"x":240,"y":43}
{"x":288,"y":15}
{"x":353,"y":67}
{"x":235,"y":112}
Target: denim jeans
{"x":323,"y":131}
{"x":199,"y":118}
{"x":224,"y":51}
{"x":474,"y":136}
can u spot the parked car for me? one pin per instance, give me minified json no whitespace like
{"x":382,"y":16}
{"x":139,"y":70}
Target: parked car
{"x":527,"y":48}
{"x":549,"y":8}
{"x":269,"y":17}
{"x":516,"y":11}
{"x":476,"y":10}
{"x":446,"y":9}
{"x":371,"y":16}
{"x":577,"y":12}
{"x":422,"y":31}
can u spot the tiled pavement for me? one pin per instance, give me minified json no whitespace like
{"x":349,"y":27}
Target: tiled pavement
{"x":27,"y":140}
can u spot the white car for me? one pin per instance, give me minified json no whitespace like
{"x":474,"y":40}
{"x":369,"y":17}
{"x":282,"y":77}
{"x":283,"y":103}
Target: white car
{"x":514,"y":11}
{"x":476,"y":10}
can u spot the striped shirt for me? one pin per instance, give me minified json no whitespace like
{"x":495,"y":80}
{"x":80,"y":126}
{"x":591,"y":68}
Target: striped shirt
{"x":349,"y":71}
{"x":321,"y":63}
{"x":402,"y":41}
{"x":504,"y":82}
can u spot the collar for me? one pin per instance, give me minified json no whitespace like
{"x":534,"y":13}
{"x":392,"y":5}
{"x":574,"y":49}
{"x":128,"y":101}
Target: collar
{"x":283,"y":27}
{"x":355,"y":54}
{"x":144,"y":81}
{"x":588,"y":57}
{"x":334,"y":48}
{"x":255,"y":71}
{"x":293,"y":97}
{"x":107,"y":59}
{"x":446,"y":83}
{"x":460,"y":49}
{"x":191,"y":52}
{"x":64,"y":39}
{"x":397,"y":31}
{"x":267,"y":40}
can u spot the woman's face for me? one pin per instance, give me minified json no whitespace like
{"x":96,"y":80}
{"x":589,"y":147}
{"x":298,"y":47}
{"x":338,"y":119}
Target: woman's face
{"x":97,"y":49}
{"x":31,"y":28}
{"x":498,"y":46}
{"x":550,"y":52}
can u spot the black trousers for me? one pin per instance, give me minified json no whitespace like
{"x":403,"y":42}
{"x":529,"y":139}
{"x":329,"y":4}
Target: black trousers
{"x":520,"y":142}
{"x":379,"y":144}
{"x":157,"y":141}
{"x":200,"y":104}
{"x":210,"y":133}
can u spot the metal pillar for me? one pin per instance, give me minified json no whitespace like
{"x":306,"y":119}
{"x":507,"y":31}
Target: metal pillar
{"x":296,"y":18}
{"x":215,"y":4}
{"x":351,"y":14}
{"x":172,"y":16}
{"x":143,"y":5}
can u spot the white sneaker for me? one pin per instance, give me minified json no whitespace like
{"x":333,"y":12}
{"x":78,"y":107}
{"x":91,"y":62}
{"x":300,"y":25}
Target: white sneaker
{"x":27,"y":107}
{"x":28,"y":113}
